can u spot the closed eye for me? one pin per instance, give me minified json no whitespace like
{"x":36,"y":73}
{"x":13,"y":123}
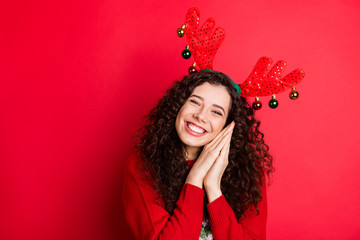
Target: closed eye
{"x":193,"y":101}
{"x":218,"y":113}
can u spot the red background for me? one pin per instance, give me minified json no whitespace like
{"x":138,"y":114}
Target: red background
{"x":77,"y":77}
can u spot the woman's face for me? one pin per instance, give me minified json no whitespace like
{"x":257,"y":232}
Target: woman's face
{"x":203,"y":115}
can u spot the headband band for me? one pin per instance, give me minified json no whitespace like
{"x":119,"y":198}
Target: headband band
{"x":204,"y":42}
{"x":237,"y":88}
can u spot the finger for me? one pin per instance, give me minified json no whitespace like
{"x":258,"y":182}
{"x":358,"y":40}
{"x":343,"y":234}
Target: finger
{"x":218,"y":147}
{"x":225,"y":150}
{"x":277,"y":70}
{"x":210,"y":153}
{"x":228,"y":147}
{"x":222,"y":159}
{"x":225,"y":130}
{"x":262,"y":66}
{"x":222,"y":133}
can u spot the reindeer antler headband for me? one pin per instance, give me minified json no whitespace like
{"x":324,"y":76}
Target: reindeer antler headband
{"x":203,"y":44}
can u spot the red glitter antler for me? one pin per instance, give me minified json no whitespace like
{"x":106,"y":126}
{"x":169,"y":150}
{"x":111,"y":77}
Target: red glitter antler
{"x":264,"y":82}
{"x":203,"y":42}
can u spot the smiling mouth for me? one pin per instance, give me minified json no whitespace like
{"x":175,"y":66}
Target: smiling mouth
{"x":195,"y":130}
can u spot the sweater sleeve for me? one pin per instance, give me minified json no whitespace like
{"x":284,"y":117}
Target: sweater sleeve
{"x":145,"y":212}
{"x":224,"y":225}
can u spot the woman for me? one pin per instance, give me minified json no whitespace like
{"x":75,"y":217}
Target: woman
{"x":201,"y":165}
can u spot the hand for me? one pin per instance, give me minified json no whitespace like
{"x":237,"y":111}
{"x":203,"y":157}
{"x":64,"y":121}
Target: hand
{"x":210,"y":153}
{"x":212,"y":180}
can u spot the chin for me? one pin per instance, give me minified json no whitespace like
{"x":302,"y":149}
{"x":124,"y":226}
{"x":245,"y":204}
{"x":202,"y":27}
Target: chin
{"x":193,"y":142}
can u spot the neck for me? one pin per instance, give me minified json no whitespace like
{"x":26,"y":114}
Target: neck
{"x":192,"y":153}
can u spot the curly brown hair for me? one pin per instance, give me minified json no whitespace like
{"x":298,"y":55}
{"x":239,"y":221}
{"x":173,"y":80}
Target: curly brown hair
{"x":164,"y":157}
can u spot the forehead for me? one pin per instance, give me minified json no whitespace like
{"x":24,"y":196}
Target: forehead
{"x":214,"y":94}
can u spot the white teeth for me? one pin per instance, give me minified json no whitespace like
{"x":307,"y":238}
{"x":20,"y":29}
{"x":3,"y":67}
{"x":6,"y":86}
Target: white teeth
{"x":195,"y":128}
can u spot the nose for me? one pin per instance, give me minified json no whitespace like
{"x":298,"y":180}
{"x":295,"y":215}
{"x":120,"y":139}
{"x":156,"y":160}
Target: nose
{"x":200,"y":115}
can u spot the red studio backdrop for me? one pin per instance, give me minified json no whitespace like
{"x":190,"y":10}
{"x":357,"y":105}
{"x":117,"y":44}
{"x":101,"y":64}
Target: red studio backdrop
{"x":78,"y":76}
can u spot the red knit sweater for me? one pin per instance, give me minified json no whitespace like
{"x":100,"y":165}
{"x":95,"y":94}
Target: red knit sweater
{"x":148,"y":219}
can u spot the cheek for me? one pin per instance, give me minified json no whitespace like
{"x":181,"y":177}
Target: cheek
{"x":178,"y":119}
{"x":177,"y":122}
{"x":216,"y":129}
{"x":218,"y":126}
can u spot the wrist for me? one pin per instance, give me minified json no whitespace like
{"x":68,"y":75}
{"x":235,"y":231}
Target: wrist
{"x":195,"y":180}
{"x":213,"y":193}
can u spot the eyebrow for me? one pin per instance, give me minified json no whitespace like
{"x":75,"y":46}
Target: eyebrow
{"x":215,"y":105}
